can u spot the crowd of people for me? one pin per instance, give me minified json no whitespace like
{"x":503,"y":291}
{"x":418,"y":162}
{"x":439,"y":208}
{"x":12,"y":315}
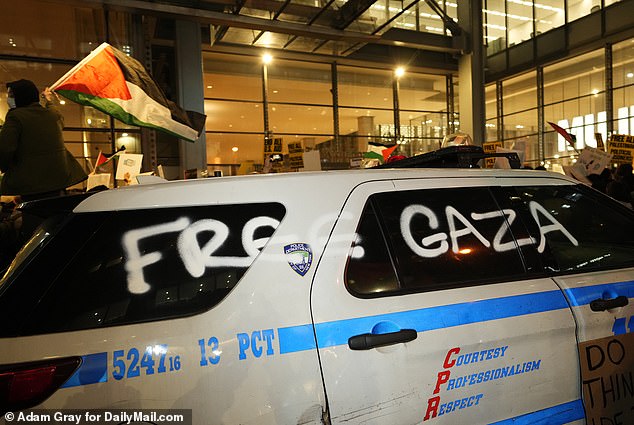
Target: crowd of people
{"x":619,"y":183}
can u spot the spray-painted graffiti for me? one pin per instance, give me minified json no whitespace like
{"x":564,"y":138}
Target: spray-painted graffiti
{"x":196,"y":258}
{"x":438,"y":243}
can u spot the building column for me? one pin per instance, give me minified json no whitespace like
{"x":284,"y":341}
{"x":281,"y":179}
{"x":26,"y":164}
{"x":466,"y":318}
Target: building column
{"x":609,"y":92}
{"x":189,"y":68}
{"x":365,"y":132}
{"x":471,"y":72}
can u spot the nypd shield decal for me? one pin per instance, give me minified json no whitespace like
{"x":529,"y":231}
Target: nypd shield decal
{"x":299,"y":257}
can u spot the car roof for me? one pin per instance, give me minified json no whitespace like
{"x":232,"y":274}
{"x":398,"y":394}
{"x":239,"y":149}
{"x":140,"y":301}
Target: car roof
{"x":298,"y":186}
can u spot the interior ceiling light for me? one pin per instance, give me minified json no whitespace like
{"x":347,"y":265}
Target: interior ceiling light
{"x":537,"y":5}
{"x":434,"y":29}
{"x":495,"y":27}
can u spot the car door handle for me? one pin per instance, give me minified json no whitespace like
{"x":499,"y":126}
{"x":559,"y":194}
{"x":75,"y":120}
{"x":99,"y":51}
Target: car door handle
{"x":602,"y":305}
{"x":368,"y":341}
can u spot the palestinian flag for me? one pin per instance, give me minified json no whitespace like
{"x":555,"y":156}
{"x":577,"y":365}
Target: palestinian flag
{"x":387,"y":152}
{"x":118,"y":85}
{"x":570,"y":138}
{"x":103,"y":158}
{"x":379,"y":152}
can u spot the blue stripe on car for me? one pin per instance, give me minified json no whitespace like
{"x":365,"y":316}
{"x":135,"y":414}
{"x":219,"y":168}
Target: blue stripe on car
{"x":301,"y":338}
{"x":556,"y":415}
{"x":329,"y":334}
{"x":585,"y":294}
{"x":93,"y":369}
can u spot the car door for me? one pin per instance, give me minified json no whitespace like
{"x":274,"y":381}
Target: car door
{"x":426,"y":311}
{"x":591,"y":257}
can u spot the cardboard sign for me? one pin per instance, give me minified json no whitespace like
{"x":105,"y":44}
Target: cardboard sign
{"x":594,"y":160}
{"x":490,"y":147}
{"x":94,"y":180}
{"x":577,"y":172}
{"x":272,"y":146}
{"x":129,"y":166}
{"x":599,"y":138}
{"x":607,"y":367}
{"x":622,"y":148}
{"x":295,"y":155}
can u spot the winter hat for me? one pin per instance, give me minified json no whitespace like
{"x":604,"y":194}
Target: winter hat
{"x":24,"y":91}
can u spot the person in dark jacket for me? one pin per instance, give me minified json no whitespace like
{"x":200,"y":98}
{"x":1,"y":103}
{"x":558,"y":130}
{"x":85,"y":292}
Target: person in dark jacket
{"x":33,"y":157}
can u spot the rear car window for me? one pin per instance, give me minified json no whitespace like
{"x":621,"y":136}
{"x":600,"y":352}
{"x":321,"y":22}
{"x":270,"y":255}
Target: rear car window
{"x":111,"y":268}
{"x":577,"y":228}
{"x":424,"y":240}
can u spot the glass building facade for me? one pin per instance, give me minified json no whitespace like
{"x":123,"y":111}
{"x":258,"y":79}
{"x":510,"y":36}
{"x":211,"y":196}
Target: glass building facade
{"x":590,"y":95}
{"x":338,"y":109}
{"x":324,"y":101}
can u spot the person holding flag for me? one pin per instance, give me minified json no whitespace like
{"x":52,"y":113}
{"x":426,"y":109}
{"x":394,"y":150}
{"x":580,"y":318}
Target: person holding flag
{"x":33,"y":157}
{"x":118,"y":85}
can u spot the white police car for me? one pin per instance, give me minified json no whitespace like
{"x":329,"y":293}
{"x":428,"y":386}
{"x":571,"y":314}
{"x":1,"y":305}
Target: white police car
{"x":440,"y":296}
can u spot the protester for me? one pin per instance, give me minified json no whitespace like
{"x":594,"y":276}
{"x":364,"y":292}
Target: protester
{"x":35,"y":162}
{"x":618,"y":190}
{"x":601,"y":181}
{"x":34,"y":159}
{"x":624,"y":174}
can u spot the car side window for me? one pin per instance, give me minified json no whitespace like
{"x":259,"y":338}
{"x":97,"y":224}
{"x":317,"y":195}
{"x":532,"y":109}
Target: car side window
{"x":576,"y":229}
{"x":432,"y":239}
{"x":370,"y":268}
{"x":144,"y":265}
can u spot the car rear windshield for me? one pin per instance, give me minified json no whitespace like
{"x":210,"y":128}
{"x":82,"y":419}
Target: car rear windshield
{"x":119,"y":267}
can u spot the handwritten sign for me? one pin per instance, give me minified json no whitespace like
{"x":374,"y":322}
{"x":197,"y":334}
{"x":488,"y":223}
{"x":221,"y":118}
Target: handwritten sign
{"x":606,"y":370}
{"x":594,"y":160}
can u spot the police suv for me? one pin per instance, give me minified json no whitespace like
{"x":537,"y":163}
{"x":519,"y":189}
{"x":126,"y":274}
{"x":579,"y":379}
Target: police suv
{"x":378,"y":296}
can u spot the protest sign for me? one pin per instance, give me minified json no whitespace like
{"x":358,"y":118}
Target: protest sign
{"x":490,"y":147}
{"x":129,"y":166}
{"x":594,"y":160}
{"x":295,"y":155}
{"x":95,"y":180}
{"x":622,"y":148}
{"x":607,"y":365}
